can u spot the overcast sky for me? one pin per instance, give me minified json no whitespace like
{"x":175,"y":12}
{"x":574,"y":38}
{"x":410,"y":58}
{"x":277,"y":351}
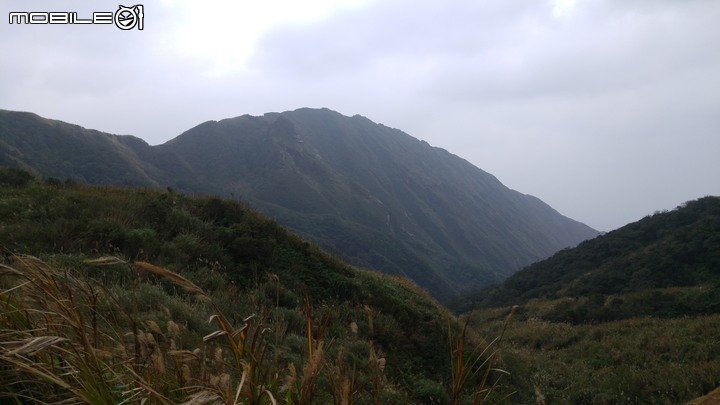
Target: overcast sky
{"x":608,"y":110}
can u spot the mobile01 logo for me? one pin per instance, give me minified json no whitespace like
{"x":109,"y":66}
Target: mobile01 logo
{"x":125,"y":18}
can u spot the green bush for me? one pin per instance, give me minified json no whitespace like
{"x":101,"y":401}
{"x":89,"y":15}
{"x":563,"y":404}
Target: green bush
{"x":10,"y":176}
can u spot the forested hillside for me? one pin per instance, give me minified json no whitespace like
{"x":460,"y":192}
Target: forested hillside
{"x":174,"y":298}
{"x":373,"y":195}
{"x":680,"y":248}
{"x":631,"y":316}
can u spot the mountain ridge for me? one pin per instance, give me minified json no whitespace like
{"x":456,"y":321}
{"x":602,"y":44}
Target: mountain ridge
{"x":370,"y":193}
{"x":666,"y":250}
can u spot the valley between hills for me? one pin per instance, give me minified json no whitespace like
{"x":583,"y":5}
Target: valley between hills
{"x":372,"y":195}
{"x":307,"y":257}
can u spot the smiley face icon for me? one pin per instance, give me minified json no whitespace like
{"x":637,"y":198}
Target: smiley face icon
{"x":126,"y":18}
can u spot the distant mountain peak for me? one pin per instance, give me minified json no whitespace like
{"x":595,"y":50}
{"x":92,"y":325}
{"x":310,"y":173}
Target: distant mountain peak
{"x":371,"y":194}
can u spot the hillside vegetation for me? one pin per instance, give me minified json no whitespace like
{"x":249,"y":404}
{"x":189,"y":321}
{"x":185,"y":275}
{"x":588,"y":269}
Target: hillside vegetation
{"x":638,"y":360}
{"x":373,"y":195}
{"x":140,"y":293}
{"x":641,"y":261}
{"x":628,"y":317}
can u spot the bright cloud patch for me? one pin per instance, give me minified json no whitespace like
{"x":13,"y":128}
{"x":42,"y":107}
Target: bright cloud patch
{"x":563,"y":8}
{"x":222,"y":34}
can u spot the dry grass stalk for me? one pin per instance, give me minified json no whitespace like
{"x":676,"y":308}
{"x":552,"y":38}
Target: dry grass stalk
{"x":240,"y":387}
{"x":375,"y":370}
{"x":56,"y":304}
{"x":310,"y":372}
{"x":105,"y":261}
{"x":478,"y":397}
{"x":9,"y":271}
{"x":213,"y":335}
{"x":173,"y":329}
{"x":308,"y":319}
{"x":63,"y":303}
{"x":462,"y":367}
{"x":203,"y":398}
{"x":183,"y":356}
{"x":342,"y":387}
{"x":188,"y":285}
{"x":289,"y":379}
{"x":154,"y":327}
{"x":33,"y":345}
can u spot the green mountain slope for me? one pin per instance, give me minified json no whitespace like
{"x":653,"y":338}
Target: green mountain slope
{"x":628,"y":317}
{"x":371,"y":194}
{"x":641,"y":260}
{"x":57,"y":149}
{"x":388,"y":337}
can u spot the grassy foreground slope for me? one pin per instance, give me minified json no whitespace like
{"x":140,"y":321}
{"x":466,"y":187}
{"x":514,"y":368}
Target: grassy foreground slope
{"x":632,"y":316}
{"x":641,"y":360}
{"x":140,"y":293}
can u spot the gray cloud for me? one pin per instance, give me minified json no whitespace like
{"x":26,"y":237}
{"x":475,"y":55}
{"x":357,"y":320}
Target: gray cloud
{"x":607,"y":113}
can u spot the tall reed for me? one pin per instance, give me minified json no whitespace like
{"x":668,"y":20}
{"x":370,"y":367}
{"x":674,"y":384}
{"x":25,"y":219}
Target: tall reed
{"x":480,"y":361}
